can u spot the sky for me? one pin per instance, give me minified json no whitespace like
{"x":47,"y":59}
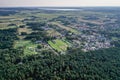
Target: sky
{"x":59,"y":3}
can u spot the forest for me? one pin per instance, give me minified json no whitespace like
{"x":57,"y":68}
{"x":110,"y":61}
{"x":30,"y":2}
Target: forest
{"x":38,"y":44}
{"x":75,"y":65}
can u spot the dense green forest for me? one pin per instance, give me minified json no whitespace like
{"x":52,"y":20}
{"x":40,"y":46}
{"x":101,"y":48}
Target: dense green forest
{"x":101,"y":64}
{"x":76,"y":65}
{"x":7,"y":38}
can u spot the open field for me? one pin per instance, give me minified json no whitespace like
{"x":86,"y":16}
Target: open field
{"x":28,"y":31}
{"x":50,"y":16}
{"x":53,"y":33}
{"x":6,"y":20}
{"x":92,"y":22}
{"x":64,"y":27}
{"x":58,"y":45}
{"x":29,"y":47}
{"x":21,"y":43}
{"x":5,"y":26}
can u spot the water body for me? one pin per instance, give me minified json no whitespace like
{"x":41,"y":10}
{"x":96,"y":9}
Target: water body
{"x":61,"y":9}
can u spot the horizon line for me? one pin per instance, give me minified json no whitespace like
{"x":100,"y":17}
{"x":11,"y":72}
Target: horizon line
{"x":51,"y":6}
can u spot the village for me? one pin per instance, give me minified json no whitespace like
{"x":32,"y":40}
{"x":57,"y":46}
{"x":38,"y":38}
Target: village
{"x":61,"y":32}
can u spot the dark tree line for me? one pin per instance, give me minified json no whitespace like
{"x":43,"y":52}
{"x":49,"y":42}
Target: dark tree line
{"x":7,"y":13}
{"x":38,"y":36}
{"x":7,"y":38}
{"x":41,"y":34}
{"x":36,"y":25}
{"x":75,"y":65}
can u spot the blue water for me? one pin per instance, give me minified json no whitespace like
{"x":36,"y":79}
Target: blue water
{"x":60,"y":9}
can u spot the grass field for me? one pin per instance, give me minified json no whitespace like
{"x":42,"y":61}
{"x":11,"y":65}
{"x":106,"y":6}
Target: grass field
{"x":53,"y":33}
{"x":58,"y":45}
{"x":20,"y":30}
{"x":28,"y":31}
{"x":29,"y":47}
{"x":65,"y":27}
{"x":5,"y":26}
{"x":21,"y":43}
{"x":115,"y":38}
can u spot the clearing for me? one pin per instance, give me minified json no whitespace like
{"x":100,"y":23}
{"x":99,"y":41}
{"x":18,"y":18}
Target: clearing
{"x":28,"y":46}
{"x":64,"y":27}
{"x":58,"y":45}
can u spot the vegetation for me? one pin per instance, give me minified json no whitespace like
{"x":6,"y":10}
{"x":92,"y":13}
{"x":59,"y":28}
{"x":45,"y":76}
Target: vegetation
{"x":7,"y":38}
{"x":66,"y":28}
{"x":58,"y":45}
{"x":27,"y":46}
{"x":75,"y":65}
{"x":37,"y":44}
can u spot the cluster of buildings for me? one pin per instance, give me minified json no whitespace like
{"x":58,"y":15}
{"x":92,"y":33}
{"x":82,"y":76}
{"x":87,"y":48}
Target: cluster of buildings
{"x":93,"y":42}
{"x":91,"y":38}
